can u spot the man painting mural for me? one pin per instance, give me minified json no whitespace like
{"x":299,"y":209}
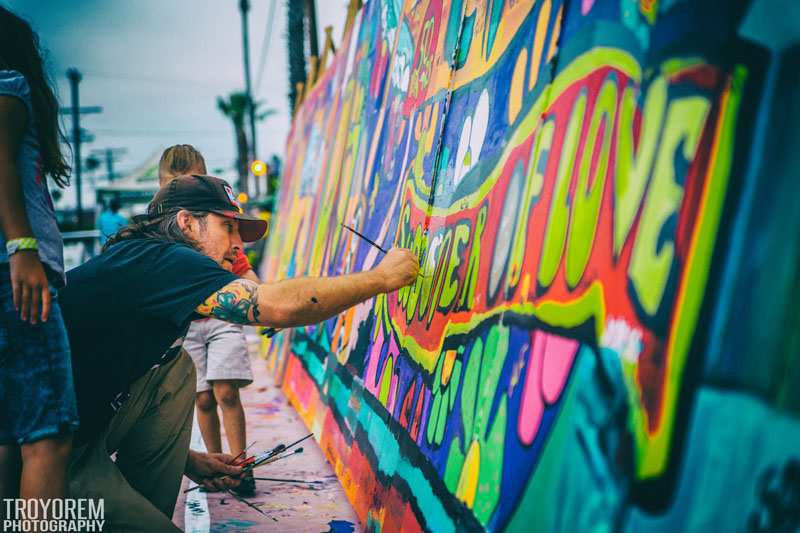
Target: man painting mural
{"x":127,"y":311}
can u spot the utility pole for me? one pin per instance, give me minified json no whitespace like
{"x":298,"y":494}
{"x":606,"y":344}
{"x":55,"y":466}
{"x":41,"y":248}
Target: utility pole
{"x":311,"y":15}
{"x":110,"y":155}
{"x":244,"y":7}
{"x":110,"y":164}
{"x":74,"y":79}
{"x":78,"y":135}
{"x":296,"y":43}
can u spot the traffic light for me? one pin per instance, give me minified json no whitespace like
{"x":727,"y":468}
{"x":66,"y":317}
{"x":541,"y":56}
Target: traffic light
{"x":258,"y":168}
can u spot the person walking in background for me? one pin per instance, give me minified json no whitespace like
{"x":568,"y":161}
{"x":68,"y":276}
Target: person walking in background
{"x":38,"y":410}
{"x":218,"y":349}
{"x":110,"y":221}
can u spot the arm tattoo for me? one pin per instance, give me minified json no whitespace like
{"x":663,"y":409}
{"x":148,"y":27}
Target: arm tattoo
{"x":236,"y":302}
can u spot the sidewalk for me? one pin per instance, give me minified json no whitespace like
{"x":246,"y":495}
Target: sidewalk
{"x":312,"y":507}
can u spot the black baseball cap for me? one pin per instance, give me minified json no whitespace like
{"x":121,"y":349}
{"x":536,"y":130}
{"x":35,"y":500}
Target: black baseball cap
{"x":205,"y":193}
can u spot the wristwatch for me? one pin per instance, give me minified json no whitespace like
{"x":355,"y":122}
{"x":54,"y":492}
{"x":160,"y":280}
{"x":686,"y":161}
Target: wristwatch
{"x":23,"y":243}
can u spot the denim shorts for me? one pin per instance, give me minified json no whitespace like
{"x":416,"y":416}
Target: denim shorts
{"x":37,"y":394}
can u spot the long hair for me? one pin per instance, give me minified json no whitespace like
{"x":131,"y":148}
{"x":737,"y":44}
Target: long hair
{"x":20,"y":51}
{"x":179,"y":160}
{"x":164,"y":228}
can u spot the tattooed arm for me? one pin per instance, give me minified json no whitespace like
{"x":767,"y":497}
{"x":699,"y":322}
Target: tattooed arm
{"x":303,"y":301}
{"x":236,"y":302}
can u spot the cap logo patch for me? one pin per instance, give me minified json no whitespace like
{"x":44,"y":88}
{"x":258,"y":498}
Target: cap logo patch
{"x":232,"y":198}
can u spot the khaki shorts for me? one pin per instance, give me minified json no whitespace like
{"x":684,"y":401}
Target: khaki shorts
{"x":219,"y":352}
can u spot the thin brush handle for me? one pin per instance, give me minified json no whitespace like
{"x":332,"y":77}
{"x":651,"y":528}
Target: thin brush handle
{"x":236,"y":459}
{"x":283,"y":448}
{"x":298,"y":441}
{"x":272,"y":453}
{"x":275,"y":459}
{"x":247,"y":503}
{"x":270,"y":332}
{"x":373,"y":243}
{"x":281,"y":480}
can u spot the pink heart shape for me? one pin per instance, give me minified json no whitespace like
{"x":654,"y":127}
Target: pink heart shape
{"x":549,"y":363}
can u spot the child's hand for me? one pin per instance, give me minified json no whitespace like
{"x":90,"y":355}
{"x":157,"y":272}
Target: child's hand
{"x":30,"y":287}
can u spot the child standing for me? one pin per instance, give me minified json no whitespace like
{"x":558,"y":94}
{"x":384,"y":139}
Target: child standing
{"x":38,"y":411}
{"x":218,"y":349}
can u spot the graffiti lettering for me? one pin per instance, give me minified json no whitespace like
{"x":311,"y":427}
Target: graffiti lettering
{"x":437,"y":289}
{"x":564,"y":254}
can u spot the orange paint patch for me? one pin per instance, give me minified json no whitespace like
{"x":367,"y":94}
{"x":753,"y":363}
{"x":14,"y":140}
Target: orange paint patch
{"x":447,"y":368}
{"x":517,"y":81}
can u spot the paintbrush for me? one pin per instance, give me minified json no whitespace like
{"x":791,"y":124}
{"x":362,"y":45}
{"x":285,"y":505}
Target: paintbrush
{"x":260,"y":459}
{"x":278,"y":449}
{"x":247,"y":462}
{"x":282,"y":480}
{"x":247,"y":467}
{"x":298,"y":441}
{"x":276,"y":459}
{"x":247,"y":503}
{"x":271,"y":332}
{"x":235,"y":461}
{"x":373,"y":243}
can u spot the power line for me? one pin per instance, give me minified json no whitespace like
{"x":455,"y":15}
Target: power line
{"x":262,"y":62}
{"x":164,"y":133}
{"x":157,"y":80}
{"x":156,"y":133}
{"x":224,"y":167}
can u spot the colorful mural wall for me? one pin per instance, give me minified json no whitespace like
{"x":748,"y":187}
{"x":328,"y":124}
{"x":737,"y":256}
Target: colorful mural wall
{"x":575,"y":177}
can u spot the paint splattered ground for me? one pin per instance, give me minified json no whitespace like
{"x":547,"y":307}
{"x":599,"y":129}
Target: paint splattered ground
{"x":319,"y":507}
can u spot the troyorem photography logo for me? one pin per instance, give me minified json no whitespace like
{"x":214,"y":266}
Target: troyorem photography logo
{"x":57,"y":514}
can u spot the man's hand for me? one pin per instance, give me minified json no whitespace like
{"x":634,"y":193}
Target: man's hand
{"x":400,"y":267}
{"x":207,"y":469}
{"x":30,"y":288}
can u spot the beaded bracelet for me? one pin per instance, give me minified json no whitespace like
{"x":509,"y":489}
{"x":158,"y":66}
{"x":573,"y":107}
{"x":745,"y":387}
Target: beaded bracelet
{"x":23,"y":243}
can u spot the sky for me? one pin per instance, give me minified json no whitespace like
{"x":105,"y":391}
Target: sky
{"x":157,"y":66}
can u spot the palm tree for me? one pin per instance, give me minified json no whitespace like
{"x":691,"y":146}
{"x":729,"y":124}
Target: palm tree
{"x":235,"y":107}
{"x":295,"y":40}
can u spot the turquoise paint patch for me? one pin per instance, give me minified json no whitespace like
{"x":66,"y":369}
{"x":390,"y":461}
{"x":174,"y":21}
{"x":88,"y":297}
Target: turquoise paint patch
{"x":725,"y":425}
{"x":315,"y":369}
{"x":340,"y":394}
{"x":453,"y":23}
{"x":466,"y":40}
{"x":385,"y":446}
{"x":493,"y":20}
{"x":391,"y":463}
{"x":453,"y":27}
{"x":232,"y":525}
